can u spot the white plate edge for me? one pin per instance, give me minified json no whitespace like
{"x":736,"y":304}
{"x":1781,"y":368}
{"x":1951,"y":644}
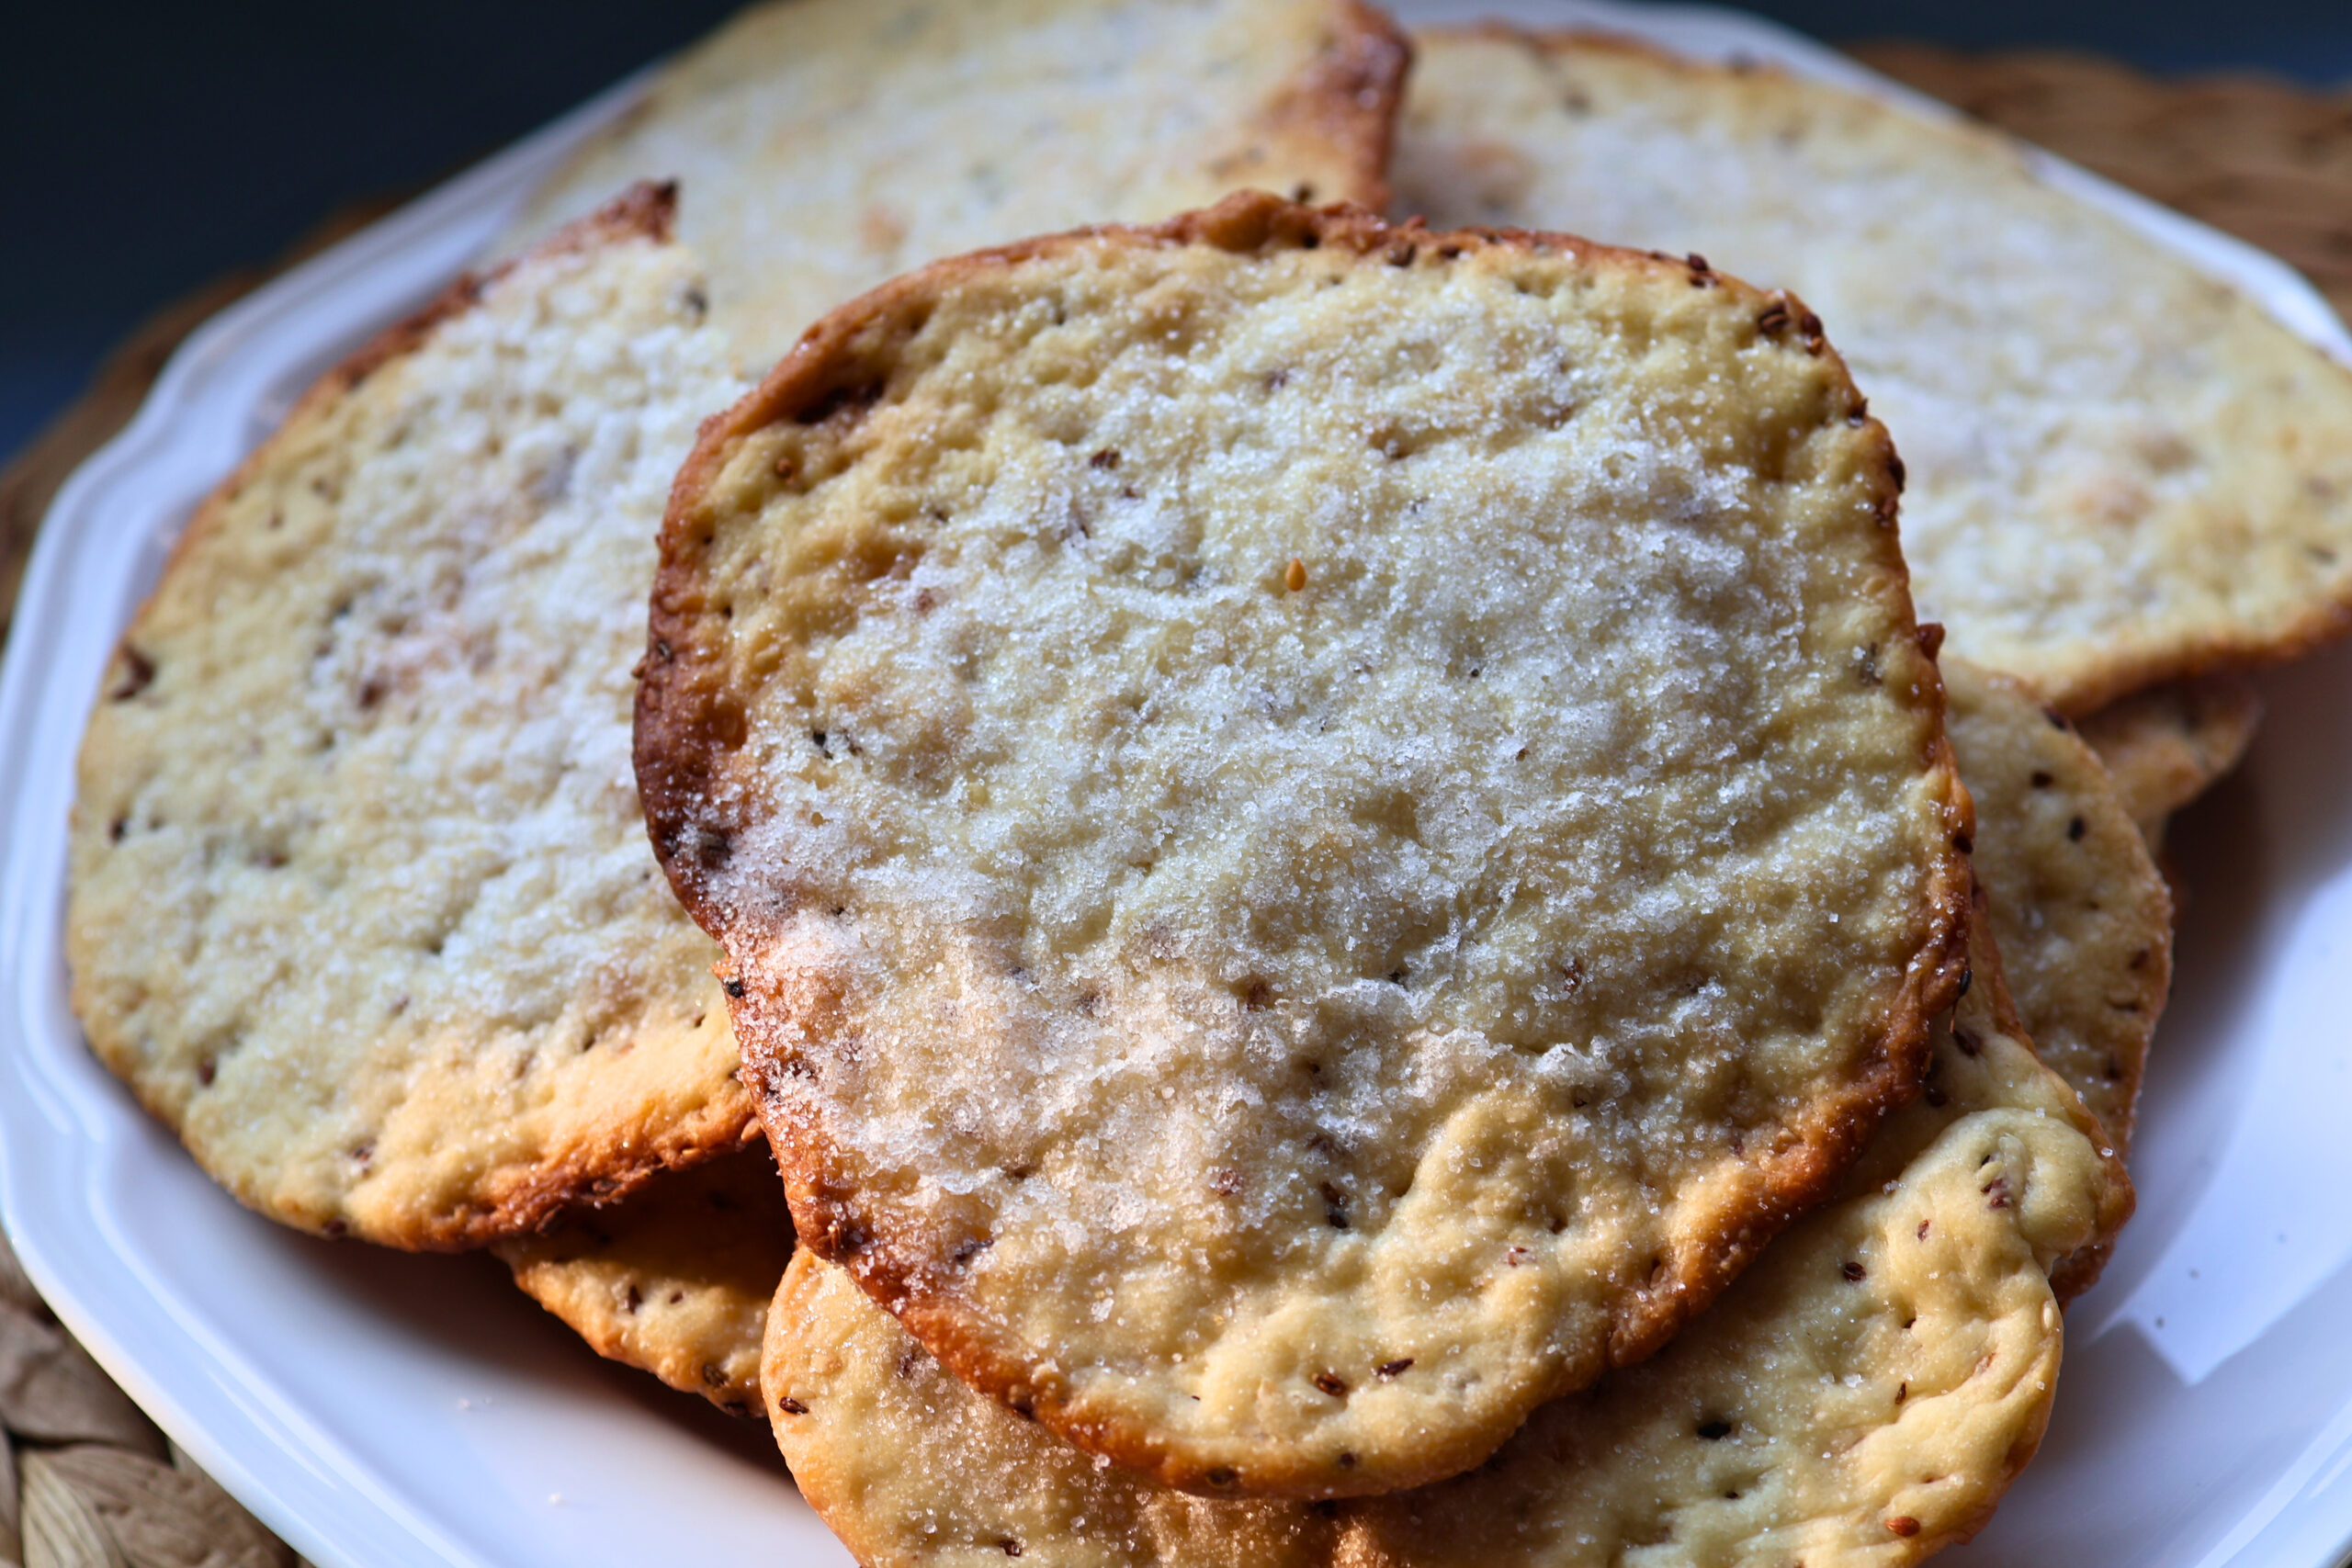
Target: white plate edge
{"x":166,"y":438}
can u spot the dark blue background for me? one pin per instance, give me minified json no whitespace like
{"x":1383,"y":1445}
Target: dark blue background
{"x":148,"y":147}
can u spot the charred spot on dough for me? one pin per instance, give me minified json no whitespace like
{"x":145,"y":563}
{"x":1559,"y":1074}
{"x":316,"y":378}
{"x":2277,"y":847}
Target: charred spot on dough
{"x":844,"y":403}
{"x":138,"y":674}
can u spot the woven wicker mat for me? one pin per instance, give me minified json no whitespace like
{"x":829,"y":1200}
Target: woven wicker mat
{"x":86,"y":1482}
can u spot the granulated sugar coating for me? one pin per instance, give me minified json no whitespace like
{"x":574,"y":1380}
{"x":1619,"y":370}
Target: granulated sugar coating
{"x":826,"y":146}
{"x":1319,"y":830}
{"x":361,"y":904}
{"x":1861,"y":1398}
{"x":2122,"y":471}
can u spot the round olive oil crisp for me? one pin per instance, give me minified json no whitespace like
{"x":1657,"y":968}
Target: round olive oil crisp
{"x":1860,"y":1398}
{"x":360,"y":901}
{"x":1319,"y":830}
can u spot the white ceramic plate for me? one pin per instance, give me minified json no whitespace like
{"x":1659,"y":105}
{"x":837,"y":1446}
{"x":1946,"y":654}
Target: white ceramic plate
{"x":382,"y":1411}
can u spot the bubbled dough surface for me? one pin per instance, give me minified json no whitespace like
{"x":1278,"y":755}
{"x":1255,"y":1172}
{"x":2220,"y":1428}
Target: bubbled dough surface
{"x":1862,"y":1395}
{"x":675,"y":1280}
{"x":825,"y":145}
{"x":2120,"y":470}
{"x":361,"y":901}
{"x":1188,"y":996}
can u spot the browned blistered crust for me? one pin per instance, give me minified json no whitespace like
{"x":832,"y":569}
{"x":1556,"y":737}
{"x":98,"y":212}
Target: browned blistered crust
{"x":517,"y":1202}
{"x":1347,"y":100}
{"x":687,"y":725}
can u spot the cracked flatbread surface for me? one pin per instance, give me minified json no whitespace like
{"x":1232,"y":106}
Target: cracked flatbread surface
{"x":2165,"y":747}
{"x":1863,"y":1395}
{"x":674,"y":1279}
{"x":2121,"y":470}
{"x":1285,"y":797}
{"x":2082,"y":915}
{"x":826,"y":146}
{"x":361,"y":903}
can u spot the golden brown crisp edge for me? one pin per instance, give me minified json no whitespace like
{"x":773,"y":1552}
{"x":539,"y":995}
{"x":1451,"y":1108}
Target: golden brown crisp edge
{"x":1348,"y":98}
{"x":686,"y":723}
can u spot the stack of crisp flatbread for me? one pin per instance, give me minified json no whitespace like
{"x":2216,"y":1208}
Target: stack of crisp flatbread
{"x":1253,"y":882}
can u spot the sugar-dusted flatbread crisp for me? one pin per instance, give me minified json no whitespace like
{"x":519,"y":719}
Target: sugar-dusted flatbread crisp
{"x":674,"y":1279}
{"x":2166,"y":746}
{"x":2121,"y":471}
{"x":826,"y":146}
{"x":2082,"y":918}
{"x":1862,"y":1395}
{"x":1285,"y":799}
{"x":361,"y":903}
{"x":2082,"y":913}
